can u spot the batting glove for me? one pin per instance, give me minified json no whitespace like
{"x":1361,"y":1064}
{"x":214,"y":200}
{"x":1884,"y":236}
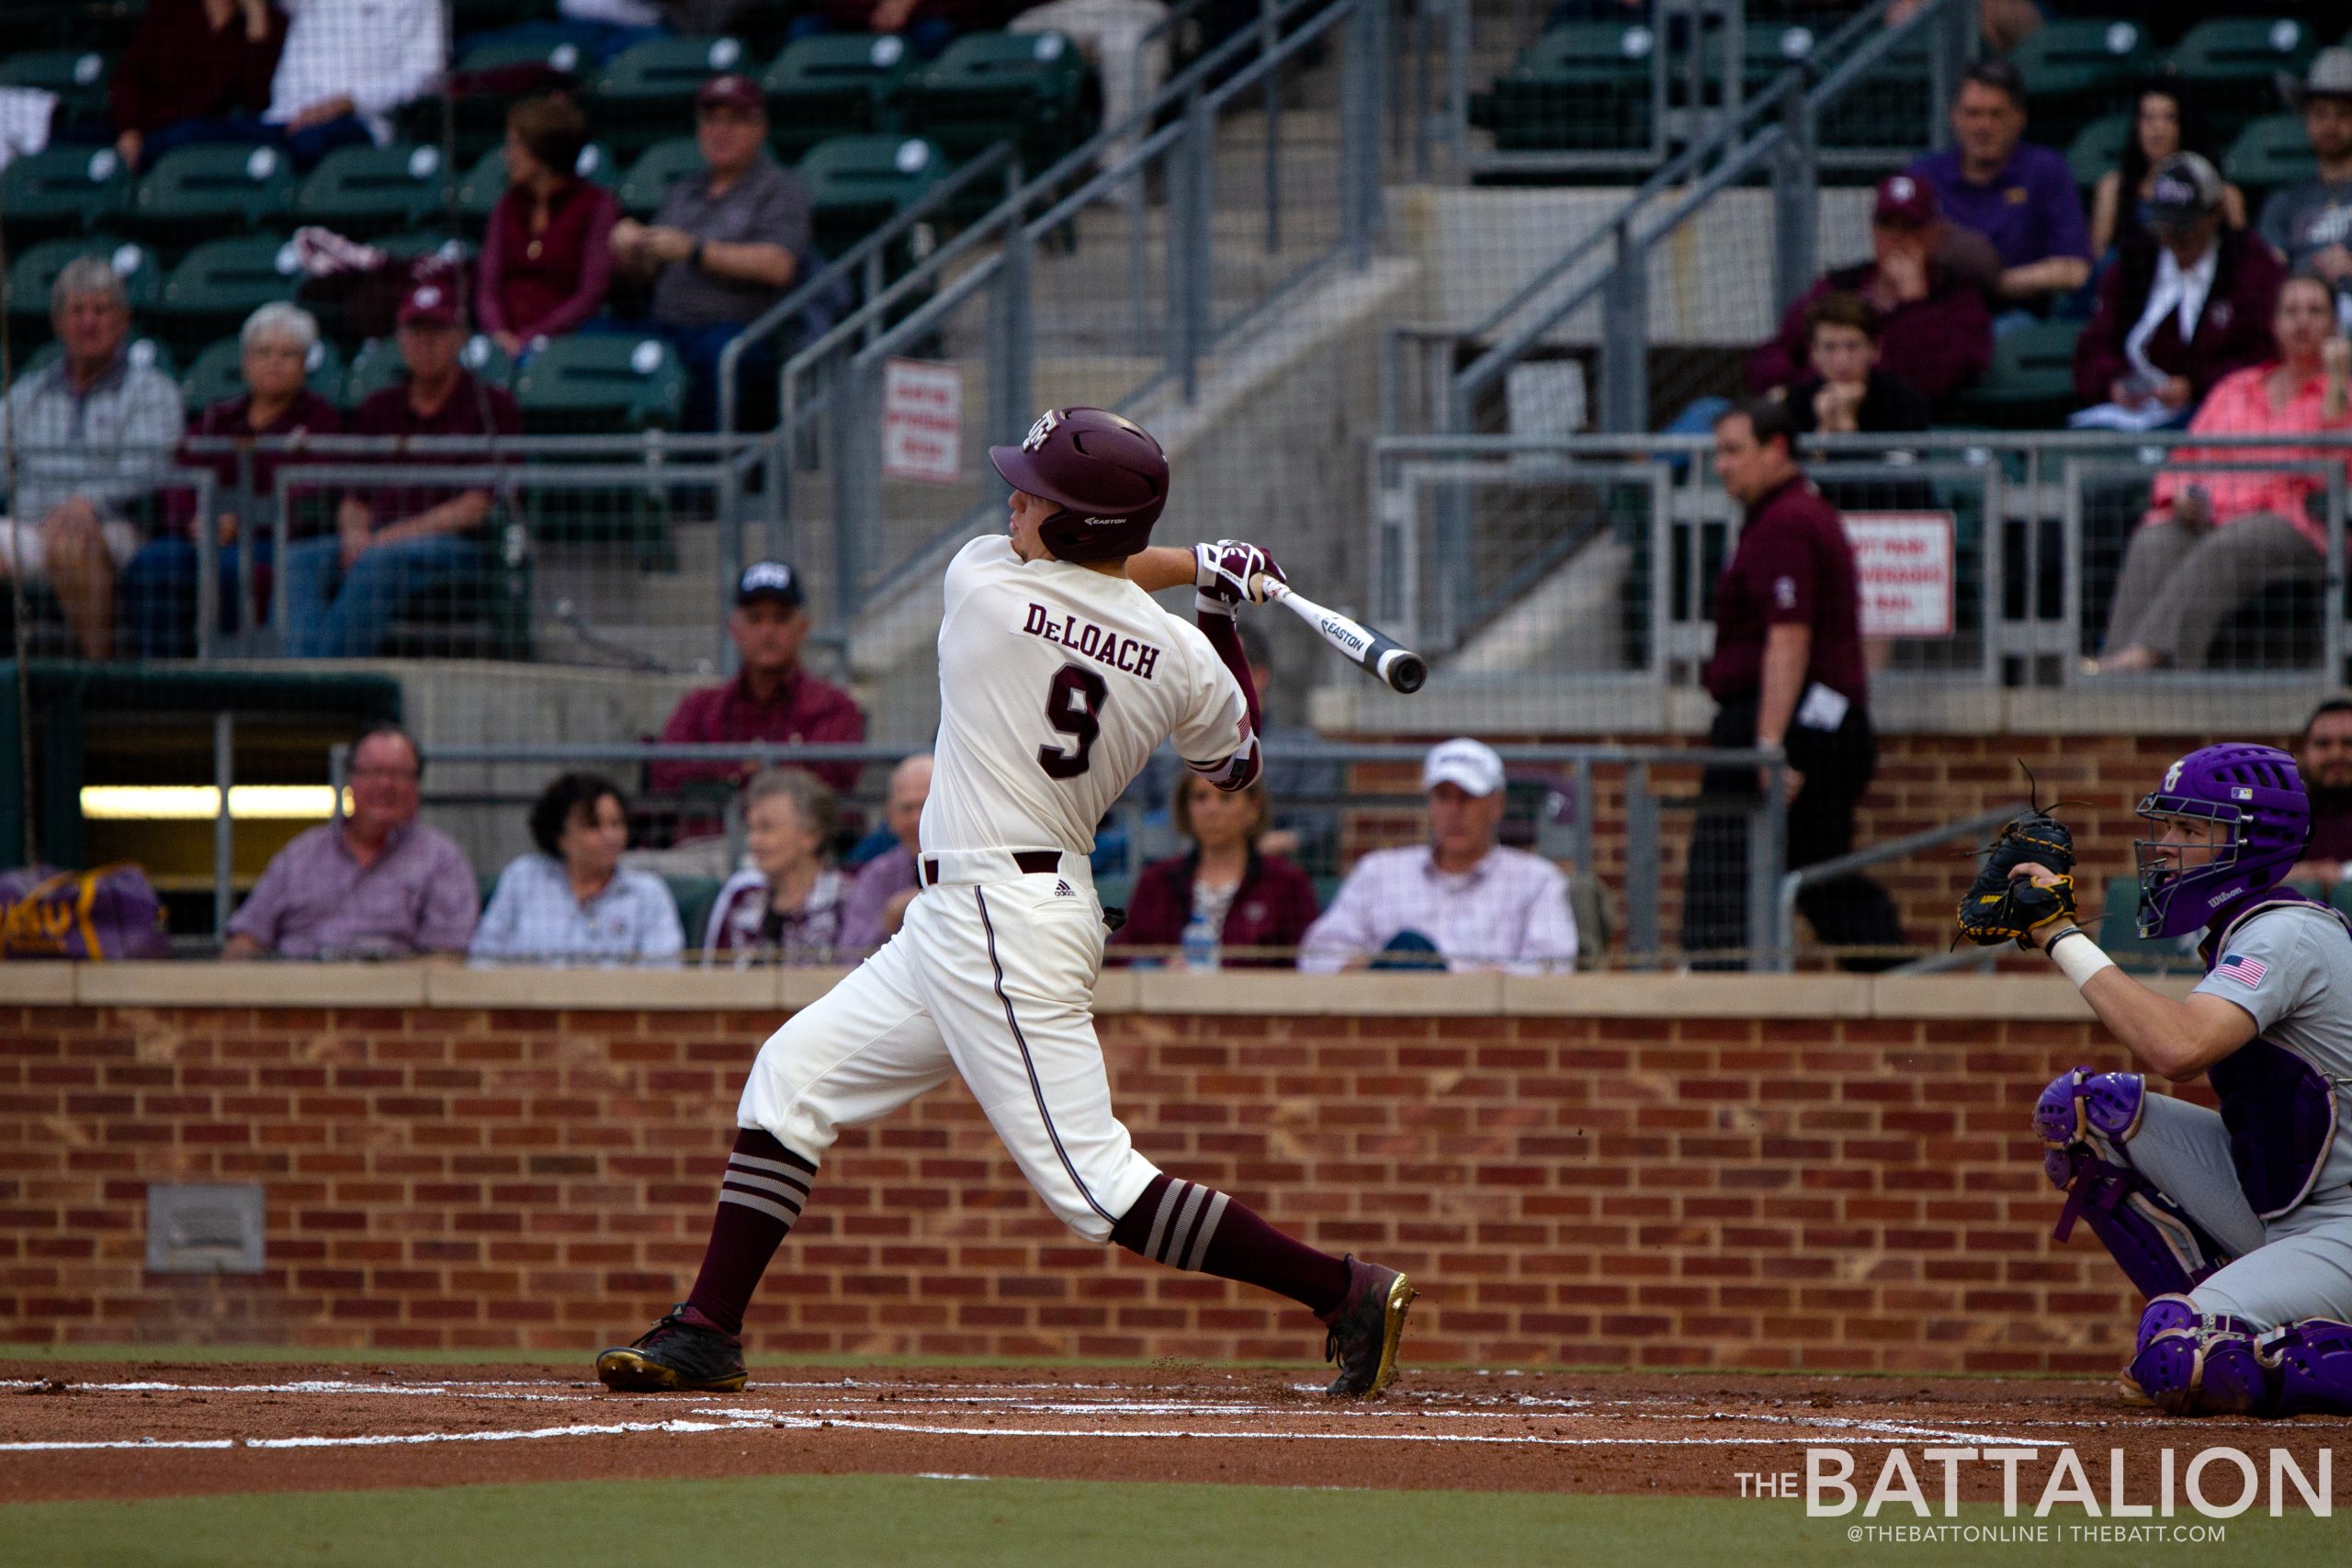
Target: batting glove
{"x":1224,"y":575}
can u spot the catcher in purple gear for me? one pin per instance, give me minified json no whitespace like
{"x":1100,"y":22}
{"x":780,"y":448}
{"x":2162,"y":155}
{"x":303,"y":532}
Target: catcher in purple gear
{"x":2236,"y":1224}
{"x":1058,"y":676}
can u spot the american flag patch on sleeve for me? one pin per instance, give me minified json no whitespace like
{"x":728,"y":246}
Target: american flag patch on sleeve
{"x":2246,"y":972}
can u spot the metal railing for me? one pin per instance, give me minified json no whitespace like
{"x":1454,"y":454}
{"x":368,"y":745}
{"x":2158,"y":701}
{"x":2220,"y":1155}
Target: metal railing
{"x":1465,"y":531}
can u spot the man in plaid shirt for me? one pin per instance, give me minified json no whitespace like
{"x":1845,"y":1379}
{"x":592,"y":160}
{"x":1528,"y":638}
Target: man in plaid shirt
{"x":1462,"y":896}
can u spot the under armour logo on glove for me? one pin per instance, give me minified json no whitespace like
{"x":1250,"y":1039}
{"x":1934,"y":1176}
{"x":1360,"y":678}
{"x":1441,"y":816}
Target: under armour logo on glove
{"x":1226,"y":571}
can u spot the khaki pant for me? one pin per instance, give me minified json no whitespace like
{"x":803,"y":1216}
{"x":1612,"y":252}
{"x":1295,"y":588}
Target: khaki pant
{"x":2178,"y":585}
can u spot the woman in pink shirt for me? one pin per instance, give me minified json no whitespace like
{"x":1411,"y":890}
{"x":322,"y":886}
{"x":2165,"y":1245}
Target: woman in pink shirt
{"x":546,"y":260}
{"x":2215,"y":539}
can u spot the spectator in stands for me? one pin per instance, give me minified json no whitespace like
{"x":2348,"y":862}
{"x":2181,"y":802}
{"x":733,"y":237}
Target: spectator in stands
{"x":159,"y":588}
{"x":2213,"y":540}
{"x":2325,"y":760}
{"x":2311,"y":223}
{"x":573,"y":901}
{"x":883,"y":887}
{"x":547,"y":256}
{"x":400,"y":542}
{"x":2019,"y":195}
{"x":1933,"y":330}
{"x":347,"y":65}
{"x":1789,"y":676}
{"x":1248,"y":899}
{"x":2160,"y":127}
{"x":93,"y":434}
{"x":771,"y":699}
{"x":375,"y":884}
{"x":723,"y":248}
{"x":2185,"y":304}
{"x":1461,"y":901}
{"x":928,"y":25}
{"x":196,"y":71}
{"x":1849,"y":391}
{"x":786,"y":906}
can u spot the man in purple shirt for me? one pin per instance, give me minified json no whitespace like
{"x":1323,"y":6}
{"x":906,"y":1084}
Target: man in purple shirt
{"x":375,"y":884}
{"x":2019,"y":195}
{"x":886,"y":885}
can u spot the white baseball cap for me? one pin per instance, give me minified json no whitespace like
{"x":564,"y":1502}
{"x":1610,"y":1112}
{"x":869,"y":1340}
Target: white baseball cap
{"x":1471,"y":764}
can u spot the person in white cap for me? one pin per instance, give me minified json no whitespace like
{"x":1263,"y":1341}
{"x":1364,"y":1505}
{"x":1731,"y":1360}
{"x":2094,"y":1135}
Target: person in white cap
{"x":2309,"y":224}
{"x":1461,"y":897}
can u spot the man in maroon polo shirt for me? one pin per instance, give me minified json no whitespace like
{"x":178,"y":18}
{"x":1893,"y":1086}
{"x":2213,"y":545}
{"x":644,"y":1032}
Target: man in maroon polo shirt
{"x":1788,"y":675}
{"x":770,"y":699}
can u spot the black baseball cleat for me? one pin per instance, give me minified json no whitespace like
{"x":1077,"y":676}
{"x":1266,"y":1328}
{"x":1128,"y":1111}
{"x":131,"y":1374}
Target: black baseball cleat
{"x":1364,"y":1329}
{"x":680,"y":1354}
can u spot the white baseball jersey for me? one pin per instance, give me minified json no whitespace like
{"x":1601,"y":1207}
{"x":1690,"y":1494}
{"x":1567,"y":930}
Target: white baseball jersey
{"x":1056,"y":684}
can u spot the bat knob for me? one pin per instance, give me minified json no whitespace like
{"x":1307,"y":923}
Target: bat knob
{"x":1406,"y":671}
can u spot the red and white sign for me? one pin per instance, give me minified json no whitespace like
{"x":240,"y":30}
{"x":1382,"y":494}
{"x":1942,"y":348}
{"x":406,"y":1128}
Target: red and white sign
{"x":923,"y":422}
{"x":1903,"y":562}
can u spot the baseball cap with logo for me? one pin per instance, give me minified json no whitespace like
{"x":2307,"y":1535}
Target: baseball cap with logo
{"x":2181,"y":190}
{"x":430,"y":304}
{"x":2329,"y":76}
{"x":1904,"y":201}
{"x":1470,"y":764}
{"x":732,"y":91}
{"x":769,"y":579}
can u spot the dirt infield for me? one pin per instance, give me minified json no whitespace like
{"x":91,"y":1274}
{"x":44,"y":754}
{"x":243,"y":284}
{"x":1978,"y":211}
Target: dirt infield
{"x":132,"y":1429}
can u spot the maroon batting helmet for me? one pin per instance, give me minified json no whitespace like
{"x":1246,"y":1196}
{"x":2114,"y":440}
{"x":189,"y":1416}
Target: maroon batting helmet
{"x":1106,"y":474}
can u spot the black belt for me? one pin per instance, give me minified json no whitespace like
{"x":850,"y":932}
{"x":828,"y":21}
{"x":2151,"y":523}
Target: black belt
{"x":1029,"y":863}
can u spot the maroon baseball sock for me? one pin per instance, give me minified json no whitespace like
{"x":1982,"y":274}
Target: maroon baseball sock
{"x":761,"y":1196}
{"x":1191,"y":1226}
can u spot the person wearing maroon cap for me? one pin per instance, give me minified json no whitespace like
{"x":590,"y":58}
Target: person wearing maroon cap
{"x":1788,"y":675}
{"x":723,"y":248}
{"x":399,"y":542}
{"x":1934,"y":331}
{"x":770,"y":699}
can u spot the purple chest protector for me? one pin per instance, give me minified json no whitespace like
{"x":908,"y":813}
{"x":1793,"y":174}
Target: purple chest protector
{"x":2279,"y":1110}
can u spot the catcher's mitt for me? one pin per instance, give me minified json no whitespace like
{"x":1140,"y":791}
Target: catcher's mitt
{"x":2002,"y":905}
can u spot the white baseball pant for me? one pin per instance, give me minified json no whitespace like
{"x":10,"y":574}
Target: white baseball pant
{"x":991,"y":978}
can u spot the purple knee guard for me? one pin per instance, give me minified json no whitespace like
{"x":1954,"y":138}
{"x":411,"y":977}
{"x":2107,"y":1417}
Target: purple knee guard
{"x":2199,"y":1363}
{"x":2161,"y":1250}
{"x":2313,"y":1363}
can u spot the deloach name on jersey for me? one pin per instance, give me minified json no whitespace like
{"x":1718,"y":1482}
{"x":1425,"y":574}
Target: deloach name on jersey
{"x":1090,"y":641}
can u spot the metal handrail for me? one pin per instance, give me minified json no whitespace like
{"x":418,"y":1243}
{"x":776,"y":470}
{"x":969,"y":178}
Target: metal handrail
{"x":1795,"y":882}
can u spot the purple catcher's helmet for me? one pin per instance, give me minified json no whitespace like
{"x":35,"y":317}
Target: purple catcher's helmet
{"x":2255,"y":793}
{"x":1105,"y":473}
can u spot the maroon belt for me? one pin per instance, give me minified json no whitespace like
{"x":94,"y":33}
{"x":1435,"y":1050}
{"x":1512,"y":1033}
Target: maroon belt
{"x":1029,"y":863}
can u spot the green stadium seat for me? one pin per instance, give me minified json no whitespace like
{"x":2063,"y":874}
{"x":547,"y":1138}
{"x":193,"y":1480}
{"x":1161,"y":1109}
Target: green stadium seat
{"x":378,"y":365}
{"x":2232,"y":64}
{"x":1584,"y":87}
{"x":694,"y":896}
{"x":218,"y":374}
{"x":1035,"y":90}
{"x":858,"y":183}
{"x":661,"y":167}
{"x":65,"y":190}
{"x":506,"y":53}
{"x":833,"y":85}
{"x":219,"y":284}
{"x":2031,"y":383}
{"x":2270,"y":152}
{"x":32,"y":274}
{"x":2097,"y":148}
{"x":479,"y":192}
{"x":646,"y":93}
{"x":366,"y":191}
{"x":2076,"y":68}
{"x":78,"y":77}
{"x":205,"y":192}
{"x":594,"y":383}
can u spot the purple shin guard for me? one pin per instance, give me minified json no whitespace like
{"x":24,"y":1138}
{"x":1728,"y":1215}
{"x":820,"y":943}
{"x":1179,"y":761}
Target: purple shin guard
{"x":2160,"y":1249}
{"x":2313,"y":1361}
{"x":2199,"y":1363}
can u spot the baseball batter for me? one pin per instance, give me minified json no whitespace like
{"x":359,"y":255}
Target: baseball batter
{"x":1058,"y":676}
{"x":2237,"y":1224}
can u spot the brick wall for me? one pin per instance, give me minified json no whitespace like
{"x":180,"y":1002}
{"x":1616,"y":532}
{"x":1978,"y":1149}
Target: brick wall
{"x":1923,"y":780}
{"x":1784,"y":1191}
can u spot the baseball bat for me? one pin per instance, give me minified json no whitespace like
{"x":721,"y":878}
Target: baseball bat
{"x":1382,"y":656}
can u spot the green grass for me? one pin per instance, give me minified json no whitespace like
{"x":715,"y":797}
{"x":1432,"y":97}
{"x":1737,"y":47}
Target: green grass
{"x":838,"y":1520}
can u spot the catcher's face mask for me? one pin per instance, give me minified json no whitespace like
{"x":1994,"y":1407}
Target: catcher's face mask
{"x":2190,"y":868}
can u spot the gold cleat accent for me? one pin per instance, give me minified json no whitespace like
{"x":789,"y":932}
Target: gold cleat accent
{"x":623,"y":1370}
{"x":1400,"y":1301}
